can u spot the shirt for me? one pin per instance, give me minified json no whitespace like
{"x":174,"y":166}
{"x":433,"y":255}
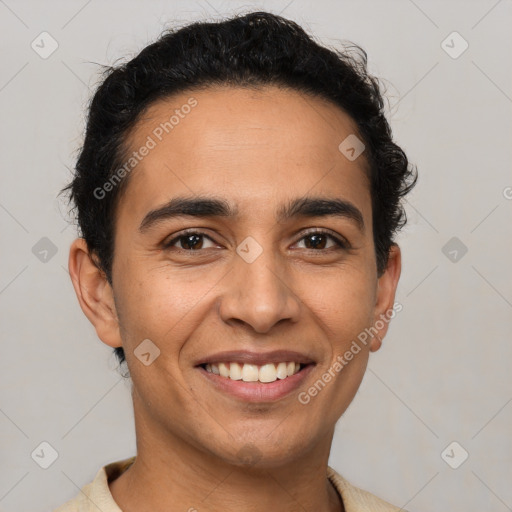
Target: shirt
{"x":97,"y":496}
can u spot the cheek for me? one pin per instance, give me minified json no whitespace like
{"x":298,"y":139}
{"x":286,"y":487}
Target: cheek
{"x":346,"y":310}
{"x":345,"y":305}
{"x":159,"y":306}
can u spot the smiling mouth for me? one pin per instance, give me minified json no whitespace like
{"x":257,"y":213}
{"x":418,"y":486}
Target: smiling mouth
{"x":266,"y":373}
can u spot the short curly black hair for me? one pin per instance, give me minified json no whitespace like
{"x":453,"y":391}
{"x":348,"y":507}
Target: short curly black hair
{"x":250,"y":50}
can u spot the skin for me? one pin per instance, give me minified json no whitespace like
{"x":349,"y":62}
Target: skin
{"x":257,"y":149}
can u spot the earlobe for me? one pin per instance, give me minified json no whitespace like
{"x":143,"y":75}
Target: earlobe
{"x":94,"y":293}
{"x":385,"y":299}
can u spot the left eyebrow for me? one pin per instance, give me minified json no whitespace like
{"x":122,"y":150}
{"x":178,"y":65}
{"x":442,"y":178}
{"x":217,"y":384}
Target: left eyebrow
{"x":217,"y":207}
{"x":322,"y":207}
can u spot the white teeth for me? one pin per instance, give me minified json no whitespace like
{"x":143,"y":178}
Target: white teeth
{"x":250,"y":373}
{"x":235,"y":371}
{"x":269,"y":372}
{"x":281,"y":373}
{"x":223,"y":370}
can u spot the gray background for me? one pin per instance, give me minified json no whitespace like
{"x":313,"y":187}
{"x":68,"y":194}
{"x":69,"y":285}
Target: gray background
{"x":443,"y":373}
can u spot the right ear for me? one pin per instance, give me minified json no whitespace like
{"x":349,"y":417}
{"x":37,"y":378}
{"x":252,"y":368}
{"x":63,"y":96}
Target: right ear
{"x":94,"y":293}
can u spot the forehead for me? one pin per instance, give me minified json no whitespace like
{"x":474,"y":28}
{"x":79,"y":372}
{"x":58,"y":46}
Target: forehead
{"x":249,"y":144}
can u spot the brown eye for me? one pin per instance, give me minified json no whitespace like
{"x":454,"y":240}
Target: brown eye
{"x":190,"y":242}
{"x":318,"y":240}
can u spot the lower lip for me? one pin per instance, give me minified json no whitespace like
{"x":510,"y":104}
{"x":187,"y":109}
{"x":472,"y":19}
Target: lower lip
{"x":258,"y":391}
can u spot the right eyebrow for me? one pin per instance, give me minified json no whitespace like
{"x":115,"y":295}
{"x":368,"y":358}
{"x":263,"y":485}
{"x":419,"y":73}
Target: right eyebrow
{"x":188,"y":206}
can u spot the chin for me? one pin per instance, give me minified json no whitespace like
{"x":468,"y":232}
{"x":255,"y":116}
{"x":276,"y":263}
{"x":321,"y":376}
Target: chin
{"x":262,"y":452}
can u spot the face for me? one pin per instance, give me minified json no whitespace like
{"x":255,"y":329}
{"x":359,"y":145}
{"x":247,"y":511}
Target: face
{"x":277,"y":256}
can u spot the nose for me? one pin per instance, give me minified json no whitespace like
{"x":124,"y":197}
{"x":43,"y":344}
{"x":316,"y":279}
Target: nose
{"x":259,"y":294}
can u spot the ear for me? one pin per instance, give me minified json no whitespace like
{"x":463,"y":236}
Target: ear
{"x":94,"y":293}
{"x":385,"y":296}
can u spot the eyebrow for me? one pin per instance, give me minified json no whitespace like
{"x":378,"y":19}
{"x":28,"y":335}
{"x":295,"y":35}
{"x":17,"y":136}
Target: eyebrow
{"x":207,"y":207}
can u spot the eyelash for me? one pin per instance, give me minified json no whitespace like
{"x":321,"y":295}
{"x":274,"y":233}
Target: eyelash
{"x":340,"y":243}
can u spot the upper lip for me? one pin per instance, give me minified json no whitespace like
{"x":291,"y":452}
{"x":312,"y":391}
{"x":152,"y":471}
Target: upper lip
{"x":257,"y":358}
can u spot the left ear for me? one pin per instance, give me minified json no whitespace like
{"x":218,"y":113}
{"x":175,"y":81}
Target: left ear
{"x":385,"y":297}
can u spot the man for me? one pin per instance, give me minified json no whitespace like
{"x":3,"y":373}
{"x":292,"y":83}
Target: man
{"x":237,"y":194}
